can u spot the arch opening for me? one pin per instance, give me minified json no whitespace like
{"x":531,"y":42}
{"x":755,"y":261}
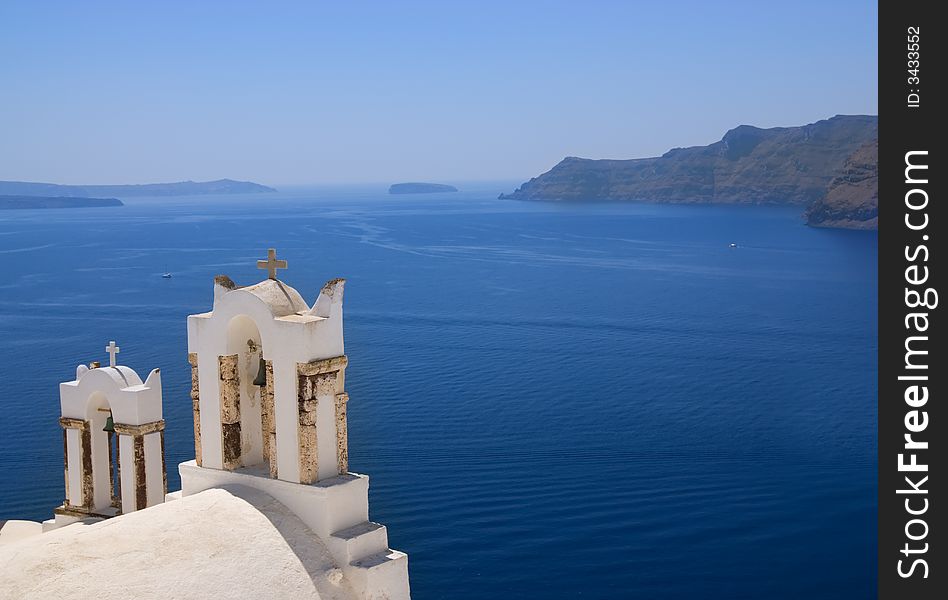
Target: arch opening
{"x":244,"y":346}
{"x":104,"y":449}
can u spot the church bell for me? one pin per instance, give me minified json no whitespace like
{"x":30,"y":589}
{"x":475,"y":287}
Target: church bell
{"x":109,"y":425}
{"x":261,"y":378}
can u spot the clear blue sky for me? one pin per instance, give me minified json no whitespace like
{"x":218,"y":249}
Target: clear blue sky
{"x":362,"y":91}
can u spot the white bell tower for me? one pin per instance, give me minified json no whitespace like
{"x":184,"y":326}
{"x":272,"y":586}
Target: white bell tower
{"x":113,"y":442}
{"x":269,"y":402}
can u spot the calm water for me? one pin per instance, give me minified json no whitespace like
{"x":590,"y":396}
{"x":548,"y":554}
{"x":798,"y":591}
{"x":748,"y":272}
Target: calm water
{"x":551,"y":401}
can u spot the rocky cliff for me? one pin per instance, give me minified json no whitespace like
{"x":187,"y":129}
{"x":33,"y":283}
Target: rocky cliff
{"x":787,"y":165}
{"x":852,"y":200}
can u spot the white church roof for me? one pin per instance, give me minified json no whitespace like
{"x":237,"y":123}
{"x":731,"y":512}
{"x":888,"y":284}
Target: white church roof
{"x":123,"y":376}
{"x":280,"y":298}
{"x":203,"y":546}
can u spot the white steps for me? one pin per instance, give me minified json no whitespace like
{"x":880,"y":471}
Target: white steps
{"x":379,"y":559}
{"x":359,"y":541}
{"x":371,"y":566}
{"x":381,"y":576}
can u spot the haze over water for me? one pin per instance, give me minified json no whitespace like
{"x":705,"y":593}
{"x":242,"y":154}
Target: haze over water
{"x":551,"y":401}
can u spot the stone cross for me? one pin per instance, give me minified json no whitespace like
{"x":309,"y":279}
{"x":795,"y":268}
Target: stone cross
{"x":112,"y":349}
{"x":271,"y":264}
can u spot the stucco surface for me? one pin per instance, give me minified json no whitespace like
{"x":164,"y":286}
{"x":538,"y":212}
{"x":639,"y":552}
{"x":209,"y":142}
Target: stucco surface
{"x":195,"y":547}
{"x":280,"y":298}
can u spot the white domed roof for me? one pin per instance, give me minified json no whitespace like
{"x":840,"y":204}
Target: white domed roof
{"x":124,"y":377}
{"x":214,"y":544}
{"x":280,"y":298}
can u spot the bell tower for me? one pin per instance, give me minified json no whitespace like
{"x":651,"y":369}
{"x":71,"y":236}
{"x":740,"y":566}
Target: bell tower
{"x":267,"y":380}
{"x":113,"y":442}
{"x":269,"y":404}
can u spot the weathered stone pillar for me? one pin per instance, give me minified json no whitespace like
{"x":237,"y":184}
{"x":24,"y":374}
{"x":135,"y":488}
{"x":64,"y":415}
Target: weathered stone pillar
{"x":195,"y":406}
{"x":267,"y":420}
{"x":342,"y":433}
{"x":137,"y":458}
{"x":87,"y":478}
{"x":230,"y":411}
{"x":164,"y":469}
{"x":309,"y":451}
{"x":66,"y":465}
{"x":315,"y":379}
{"x":117,"y":482}
{"x":81,"y":462}
{"x":141,"y":484}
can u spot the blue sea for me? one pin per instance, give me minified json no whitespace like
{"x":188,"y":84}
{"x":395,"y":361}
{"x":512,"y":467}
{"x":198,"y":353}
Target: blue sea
{"x":551,"y":400}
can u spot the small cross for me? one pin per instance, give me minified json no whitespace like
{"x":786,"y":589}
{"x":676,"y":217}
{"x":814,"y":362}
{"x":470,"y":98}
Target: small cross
{"x":112,"y":349}
{"x":271,"y":264}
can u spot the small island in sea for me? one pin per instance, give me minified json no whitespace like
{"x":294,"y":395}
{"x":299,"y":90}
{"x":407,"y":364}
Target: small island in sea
{"x":26,"y":202}
{"x":179,"y":188}
{"x":420,"y":188}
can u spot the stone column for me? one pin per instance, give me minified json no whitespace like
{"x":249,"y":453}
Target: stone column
{"x":230,"y":411}
{"x":135,"y":457}
{"x":164,"y":469}
{"x":78,"y":463}
{"x":195,"y":407}
{"x":66,"y":465}
{"x":87,"y":477}
{"x":315,"y":379}
{"x":268,"y":422}
{"x":141,"y":483}
{"x":309,"y":451}
{"x":342,"y":433}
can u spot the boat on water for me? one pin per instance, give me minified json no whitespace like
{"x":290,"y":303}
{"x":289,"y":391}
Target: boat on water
{"x":733,"y":245}
{"x":166,"y":276}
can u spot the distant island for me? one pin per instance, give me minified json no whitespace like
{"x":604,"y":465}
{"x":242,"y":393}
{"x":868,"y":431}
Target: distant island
{"x":420,"y":188}
{"x":180,"y":188}
{"x":749,"y":165}
{"x":23,"y":202}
